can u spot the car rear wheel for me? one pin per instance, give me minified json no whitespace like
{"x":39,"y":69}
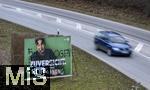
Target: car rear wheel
{"x":109,"y":52}
{"x":96,"y":47}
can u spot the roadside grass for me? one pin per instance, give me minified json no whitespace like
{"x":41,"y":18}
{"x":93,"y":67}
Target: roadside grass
{"x":128,"y":16}
{"x":6,"y":29}
{"x":89,"y":73}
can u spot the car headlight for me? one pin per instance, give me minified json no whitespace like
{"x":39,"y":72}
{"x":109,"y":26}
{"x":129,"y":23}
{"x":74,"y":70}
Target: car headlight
{"x":130,"y":48}
{"x":116,"y":49}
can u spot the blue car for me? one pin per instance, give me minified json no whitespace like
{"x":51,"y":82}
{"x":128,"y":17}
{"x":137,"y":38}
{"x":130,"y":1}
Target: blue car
{"x":112,"y":43}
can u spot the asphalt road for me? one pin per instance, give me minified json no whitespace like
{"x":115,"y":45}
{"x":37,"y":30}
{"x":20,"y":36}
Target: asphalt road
{"x":50,"y":20}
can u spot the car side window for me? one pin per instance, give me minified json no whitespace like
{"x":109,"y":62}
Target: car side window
{"x":101,"y":36}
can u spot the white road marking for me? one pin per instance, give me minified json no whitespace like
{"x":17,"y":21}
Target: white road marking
{"x":143,"y":55}
{"x":139,"y":47}
{"x":19,"y":9}
{"x":58,"y":20}
{"x":39,"y":15}
{"x":78,"y":26}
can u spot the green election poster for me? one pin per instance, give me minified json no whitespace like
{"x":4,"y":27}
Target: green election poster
{"x":54,"y":53}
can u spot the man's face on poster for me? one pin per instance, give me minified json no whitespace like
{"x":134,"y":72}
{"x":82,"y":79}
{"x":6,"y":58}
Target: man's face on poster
{"x":40,"y":46}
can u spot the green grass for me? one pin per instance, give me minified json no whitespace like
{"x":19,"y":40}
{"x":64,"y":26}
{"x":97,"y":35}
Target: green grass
{"x":6,"y":29}
{"x":89,"y":73}
{"x":128,"y":16}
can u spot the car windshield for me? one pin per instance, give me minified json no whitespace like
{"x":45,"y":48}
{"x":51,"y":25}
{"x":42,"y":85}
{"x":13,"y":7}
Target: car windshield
{"x":117,"y":39}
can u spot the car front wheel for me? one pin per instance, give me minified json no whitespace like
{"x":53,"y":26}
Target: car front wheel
{"x":129,"y":55}
{"x":109,"y":52}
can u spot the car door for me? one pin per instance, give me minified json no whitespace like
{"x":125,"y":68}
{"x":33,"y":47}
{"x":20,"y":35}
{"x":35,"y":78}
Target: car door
{"x":100,"y":41}
{"x":104,"y":43}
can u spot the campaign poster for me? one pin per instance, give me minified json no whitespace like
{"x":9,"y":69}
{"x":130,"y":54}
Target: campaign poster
{"x":50,"y":56}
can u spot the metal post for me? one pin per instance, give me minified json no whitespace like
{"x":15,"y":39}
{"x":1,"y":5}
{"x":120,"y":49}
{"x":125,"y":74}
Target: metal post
{"x":58,"y":31}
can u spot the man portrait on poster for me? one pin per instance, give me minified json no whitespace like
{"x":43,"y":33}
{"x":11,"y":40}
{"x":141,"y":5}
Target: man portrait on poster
{"x":42,"y":53}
